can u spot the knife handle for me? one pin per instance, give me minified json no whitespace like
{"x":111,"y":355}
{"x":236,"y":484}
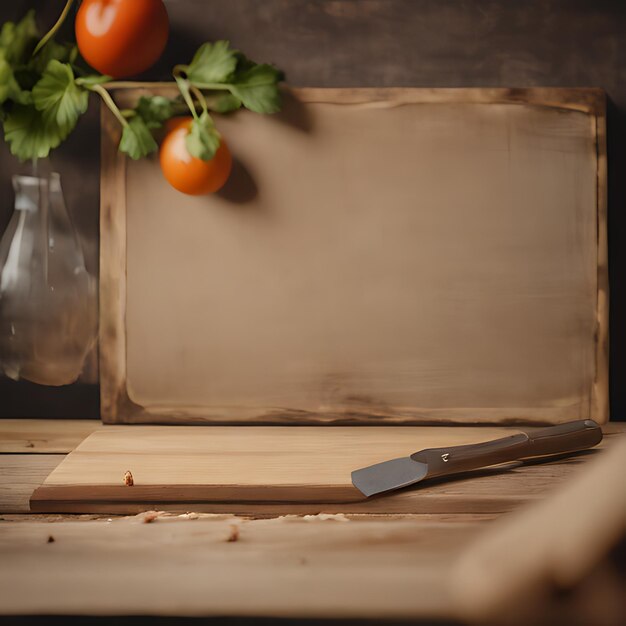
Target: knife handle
{"x":442,"y":461}
{"x":564,"y":438}
{"x":561,"y":439}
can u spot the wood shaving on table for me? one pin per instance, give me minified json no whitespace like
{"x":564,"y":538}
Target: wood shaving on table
{"x":318,"y":517}
{"x":151,"y":516}
{"x":234,"y":533}
{"x":169,"y":516}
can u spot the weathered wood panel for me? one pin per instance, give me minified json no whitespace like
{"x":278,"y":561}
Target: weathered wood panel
{"x":430,"y":279}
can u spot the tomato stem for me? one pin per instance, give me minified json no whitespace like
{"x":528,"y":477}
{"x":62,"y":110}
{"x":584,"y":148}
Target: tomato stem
{"x":52,"y":32}
{"x":199,"y":97}
{"x":184,"y":87}
{"x":106,"y":98}
{"x":134,"y":84}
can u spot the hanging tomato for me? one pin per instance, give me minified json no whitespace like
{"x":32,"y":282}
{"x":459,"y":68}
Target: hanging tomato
{"x":121,"y":38}
{"x":189,"y":174}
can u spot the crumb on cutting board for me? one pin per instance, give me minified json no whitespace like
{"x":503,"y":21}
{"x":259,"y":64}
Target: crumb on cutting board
{"x":128,"y":479}
{"x":234,"y":533}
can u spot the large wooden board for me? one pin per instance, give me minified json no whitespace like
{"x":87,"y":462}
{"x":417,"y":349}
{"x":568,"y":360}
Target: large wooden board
{"x":381,"y":256}
{"x":268,"y":470}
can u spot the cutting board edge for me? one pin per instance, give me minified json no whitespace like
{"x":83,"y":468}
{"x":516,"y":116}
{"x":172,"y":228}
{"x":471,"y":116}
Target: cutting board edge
{"x":198,"y":493}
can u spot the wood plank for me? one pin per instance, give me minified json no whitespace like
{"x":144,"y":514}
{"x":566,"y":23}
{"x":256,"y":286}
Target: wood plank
{"x":599,"y":394}
{"x":278,"y":470}
{"x":17,"y":486}
{"x":20,"y":475}
{"x":325,"y":346}
{"x":112,"y":301}
{"x":277,"y":568}
{"x":56,"y":436}
{"x":44,"y":436}
{"x":188,"y":514}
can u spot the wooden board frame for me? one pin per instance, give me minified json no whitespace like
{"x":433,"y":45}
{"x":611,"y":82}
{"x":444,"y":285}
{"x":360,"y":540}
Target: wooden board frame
{"x":116,"y":405}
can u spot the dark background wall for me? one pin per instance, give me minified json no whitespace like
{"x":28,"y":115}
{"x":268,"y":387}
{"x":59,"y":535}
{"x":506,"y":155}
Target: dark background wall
{"x":435,"y":43}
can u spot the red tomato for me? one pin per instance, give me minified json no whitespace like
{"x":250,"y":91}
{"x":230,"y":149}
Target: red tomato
{"x":185,"y":173}
{"x":121,"y":37}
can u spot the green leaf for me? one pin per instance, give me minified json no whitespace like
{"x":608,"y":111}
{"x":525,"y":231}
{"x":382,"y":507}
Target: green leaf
{"x":18,"y":40}
{"x":52,"y":51}
{"x":154,"y":110}
{"x":137,"y":140}
{"x":9,"y":87}
{"x":212,"y":63}
{"x":244,"y":63}
{"x":30,"y":133}
{"x":257,"y":88}
{"x":223,"y":102}
{"x":26,"y":77}
{"x":203,"y":139}
{"x":58,"y":95}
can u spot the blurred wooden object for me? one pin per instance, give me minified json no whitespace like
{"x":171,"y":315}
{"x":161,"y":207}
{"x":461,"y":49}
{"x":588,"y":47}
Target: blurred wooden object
{"x":378,"y":256}
{"x":551,"y":545}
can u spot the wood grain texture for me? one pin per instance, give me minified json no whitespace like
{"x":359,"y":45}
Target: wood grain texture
{"x":277,"y":568}
{"x":280,"y":470}
{"x":165,"y":364}
{"x":20,"y":475}
{"x":26,"y":472}
{"x":43,"y":436}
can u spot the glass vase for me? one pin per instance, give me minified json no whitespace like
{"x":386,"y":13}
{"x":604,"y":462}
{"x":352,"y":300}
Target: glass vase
{"x":48,"y":302}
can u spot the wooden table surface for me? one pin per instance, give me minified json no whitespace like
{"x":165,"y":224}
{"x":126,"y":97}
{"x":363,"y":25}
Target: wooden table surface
{"x":381,"y":565}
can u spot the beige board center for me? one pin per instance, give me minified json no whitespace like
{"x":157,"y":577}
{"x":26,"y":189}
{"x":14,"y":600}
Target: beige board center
{"x":408,"y":259}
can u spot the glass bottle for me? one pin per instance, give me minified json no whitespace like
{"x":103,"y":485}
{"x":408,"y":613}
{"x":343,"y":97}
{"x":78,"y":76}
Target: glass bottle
{"x":48,"y":304}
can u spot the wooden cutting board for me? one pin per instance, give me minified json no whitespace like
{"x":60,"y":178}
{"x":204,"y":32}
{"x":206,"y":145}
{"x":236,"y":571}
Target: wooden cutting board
{"x":198,"y":464}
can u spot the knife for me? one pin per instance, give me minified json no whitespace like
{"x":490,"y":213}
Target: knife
{"x":398,"y":473}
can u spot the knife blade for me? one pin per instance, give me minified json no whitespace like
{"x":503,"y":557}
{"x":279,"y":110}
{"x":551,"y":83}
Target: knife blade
{"x":432,"y":462}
